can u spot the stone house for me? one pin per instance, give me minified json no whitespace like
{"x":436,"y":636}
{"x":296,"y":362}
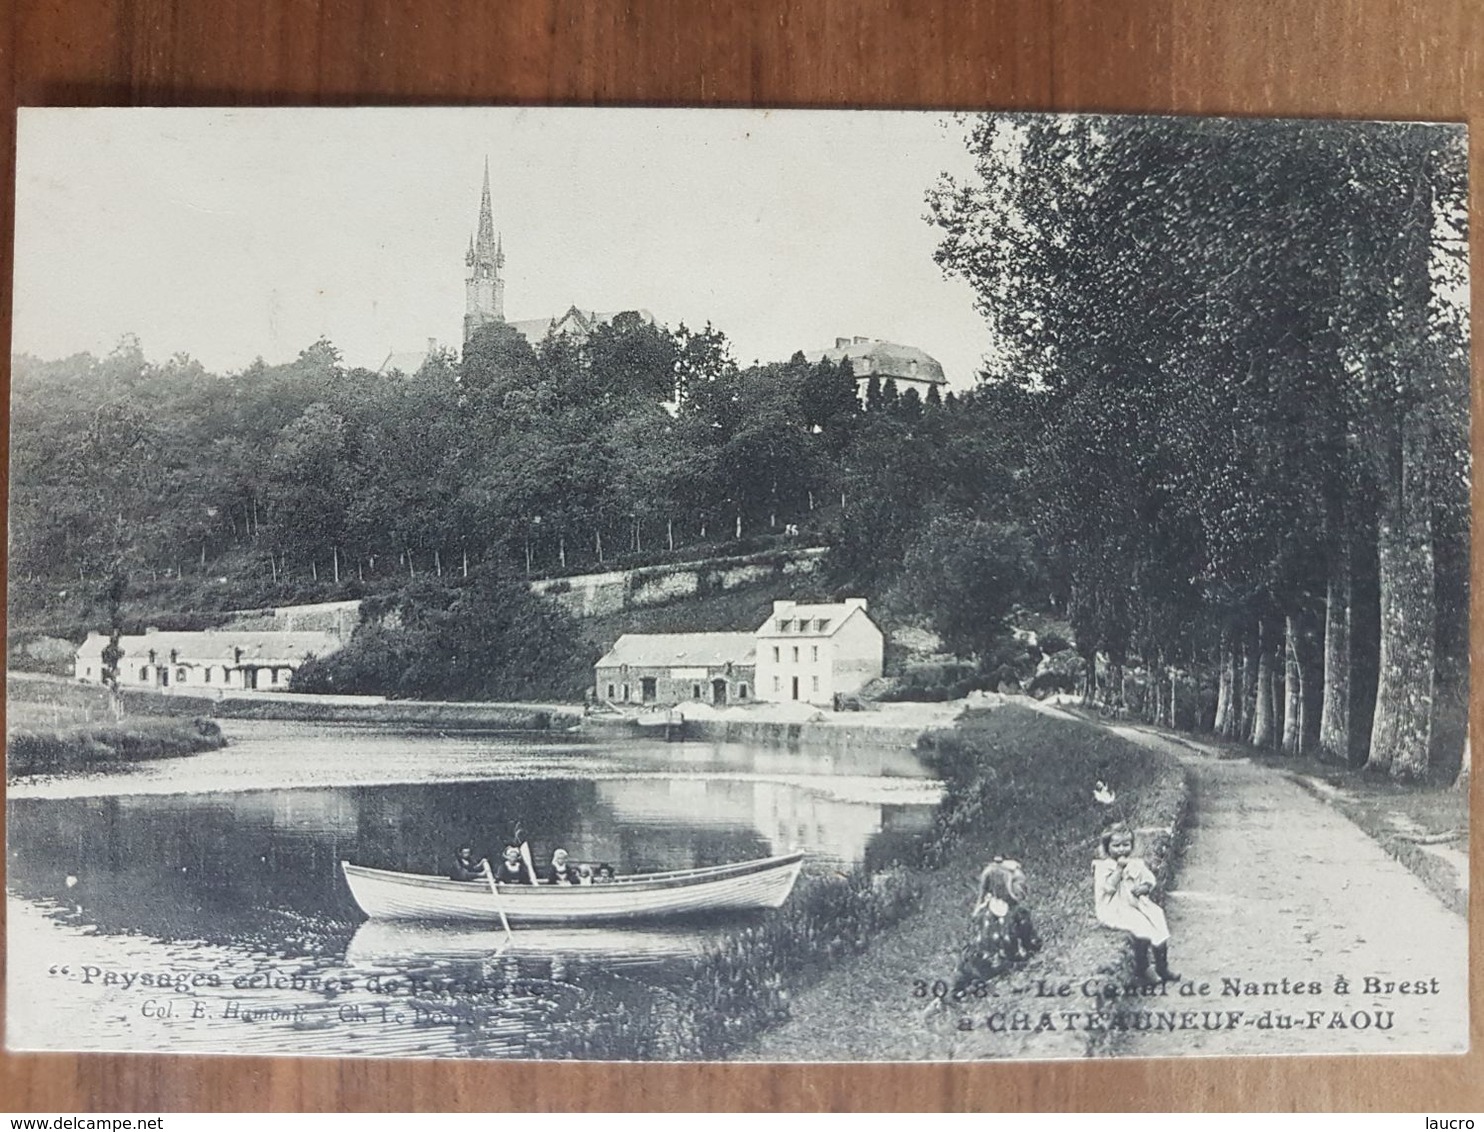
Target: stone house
{"x":674,"y":668}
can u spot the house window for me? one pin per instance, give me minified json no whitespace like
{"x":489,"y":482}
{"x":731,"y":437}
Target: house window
{"x":742,"y":691}
{"x":143,"y":675}
{"x":803,"y":624}
{"x":174,"y":655}
{"x":815,"y":651}
{"x":823,"y":624}
{"x":207,"y":676}
{"x":695,"y":691}
{"x":273,"y":676}
{"x":777,"y":684}
{"x":625,"y":693}
{"x":610,"y":691}
{"x":796,"y":654}
{"x":89,"y":672}
{"x":785,"y":626}
{"x":816,"y":683}
{"x":776,"y":657}
{"x":180,"y":675}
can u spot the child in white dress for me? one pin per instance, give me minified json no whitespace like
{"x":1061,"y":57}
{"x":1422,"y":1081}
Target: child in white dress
{"x":1121,"y":885}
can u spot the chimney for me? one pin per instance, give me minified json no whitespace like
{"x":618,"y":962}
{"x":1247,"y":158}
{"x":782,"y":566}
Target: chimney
{"x":855,"y":603}
{"x":783,"y":607}
{"x":841,"y":343}
{"x":861,"y":340}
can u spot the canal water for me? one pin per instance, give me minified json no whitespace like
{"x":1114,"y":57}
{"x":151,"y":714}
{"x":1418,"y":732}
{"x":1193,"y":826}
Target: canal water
{"x":197,"y":904}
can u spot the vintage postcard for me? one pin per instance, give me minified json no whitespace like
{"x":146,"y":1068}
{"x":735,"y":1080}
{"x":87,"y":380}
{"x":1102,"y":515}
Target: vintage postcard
{"x":669,"y":585}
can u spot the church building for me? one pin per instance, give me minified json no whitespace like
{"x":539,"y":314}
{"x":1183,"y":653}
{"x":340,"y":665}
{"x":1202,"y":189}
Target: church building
{"x":484,"y":288}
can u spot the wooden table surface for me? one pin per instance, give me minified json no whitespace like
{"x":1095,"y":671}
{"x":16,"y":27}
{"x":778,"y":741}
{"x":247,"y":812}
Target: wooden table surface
{"x":1347,"y":58}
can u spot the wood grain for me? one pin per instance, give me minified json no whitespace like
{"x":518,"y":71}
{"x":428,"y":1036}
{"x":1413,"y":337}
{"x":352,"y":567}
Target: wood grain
{"x":1349,"y":58}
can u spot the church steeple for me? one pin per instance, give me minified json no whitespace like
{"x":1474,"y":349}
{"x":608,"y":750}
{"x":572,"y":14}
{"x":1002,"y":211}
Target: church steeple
{"x":484,"y":286}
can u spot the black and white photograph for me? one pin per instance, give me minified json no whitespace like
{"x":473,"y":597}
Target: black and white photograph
{"x":676,"y":585}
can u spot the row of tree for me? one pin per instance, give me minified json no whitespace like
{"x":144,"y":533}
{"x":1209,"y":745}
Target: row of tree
{"x":1243,"y":354}
{"x":559,"y":457}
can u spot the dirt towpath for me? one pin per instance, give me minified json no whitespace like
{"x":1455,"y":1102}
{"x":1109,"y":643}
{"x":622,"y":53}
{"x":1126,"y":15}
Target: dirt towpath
{"x":1278,"y":893}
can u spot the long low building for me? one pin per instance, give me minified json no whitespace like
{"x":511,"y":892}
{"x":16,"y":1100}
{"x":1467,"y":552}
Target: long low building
{"x":672,"y":668}
{"x":209,"y":660}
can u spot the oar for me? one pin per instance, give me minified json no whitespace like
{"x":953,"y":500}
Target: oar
{"x":499,"y":904}
{"x":525,"y":855}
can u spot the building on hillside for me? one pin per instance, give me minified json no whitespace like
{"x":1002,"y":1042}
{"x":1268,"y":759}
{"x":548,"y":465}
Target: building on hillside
{"x":211,"y":660}
{"x":408,"y":362}
{"x":576,"y":323}
{"x":484,"y":287}
{"x":813,"y":653}
{"x":870,"y":357}
{"x":674,"y":668}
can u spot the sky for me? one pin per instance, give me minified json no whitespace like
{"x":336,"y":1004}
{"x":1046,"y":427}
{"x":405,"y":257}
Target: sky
{"x":233,"y":234}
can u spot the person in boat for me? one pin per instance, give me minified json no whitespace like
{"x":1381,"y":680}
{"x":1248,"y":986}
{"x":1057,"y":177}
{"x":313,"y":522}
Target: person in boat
{"x":584,"y":874}
{"x":511,"y":869}
{"x":561,"y":871}
{"x":604,"y":875}
{"x":465,"y":867}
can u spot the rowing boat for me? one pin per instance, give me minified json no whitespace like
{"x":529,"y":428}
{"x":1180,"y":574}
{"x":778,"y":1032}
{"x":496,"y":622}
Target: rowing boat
{"x":763,"y":883}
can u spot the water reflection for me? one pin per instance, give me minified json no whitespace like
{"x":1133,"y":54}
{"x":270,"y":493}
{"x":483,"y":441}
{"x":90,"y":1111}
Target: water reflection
{"x":249,"y":881}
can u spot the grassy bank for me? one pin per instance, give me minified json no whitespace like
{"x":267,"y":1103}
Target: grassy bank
{"x":1019,"y":784}
{"x":71,"y":749}
{"x":834,"y":974}
{"x":306,"y":709}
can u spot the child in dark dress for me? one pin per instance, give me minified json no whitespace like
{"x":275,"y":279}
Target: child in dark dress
{"x":1001,"y":933}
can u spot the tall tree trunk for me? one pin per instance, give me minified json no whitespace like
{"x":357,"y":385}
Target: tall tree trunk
{"x":1334,"y":718}
{"x":1264,"y":731}
{"x":1246,"y":685}
{"x":1401,"y":730}
{"x":1293,"y":688}
{"x":1462,"y":781}
{"x":1226,"y":688}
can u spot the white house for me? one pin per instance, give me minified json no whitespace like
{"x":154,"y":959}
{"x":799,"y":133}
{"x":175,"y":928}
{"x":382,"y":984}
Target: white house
{"x":814,"y":652}
{"x":205,"y":661}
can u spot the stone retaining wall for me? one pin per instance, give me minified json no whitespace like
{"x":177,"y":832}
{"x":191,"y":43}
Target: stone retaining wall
{"x":815,"y":736}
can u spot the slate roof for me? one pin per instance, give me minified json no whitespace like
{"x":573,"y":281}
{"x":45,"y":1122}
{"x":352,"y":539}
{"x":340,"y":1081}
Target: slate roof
{"x":574,"y":320}
{"x":220,"y":646}
{"x":679,"y":650}
{"x":805,"y":620}
{"x":885,"y":359}
{"x":406,"y":362}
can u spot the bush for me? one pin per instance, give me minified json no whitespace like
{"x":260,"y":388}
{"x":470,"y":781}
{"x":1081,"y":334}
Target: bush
{"x":79,"y":748}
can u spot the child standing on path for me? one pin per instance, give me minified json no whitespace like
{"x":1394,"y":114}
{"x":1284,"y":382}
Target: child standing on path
{"x":1121,"y":884}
